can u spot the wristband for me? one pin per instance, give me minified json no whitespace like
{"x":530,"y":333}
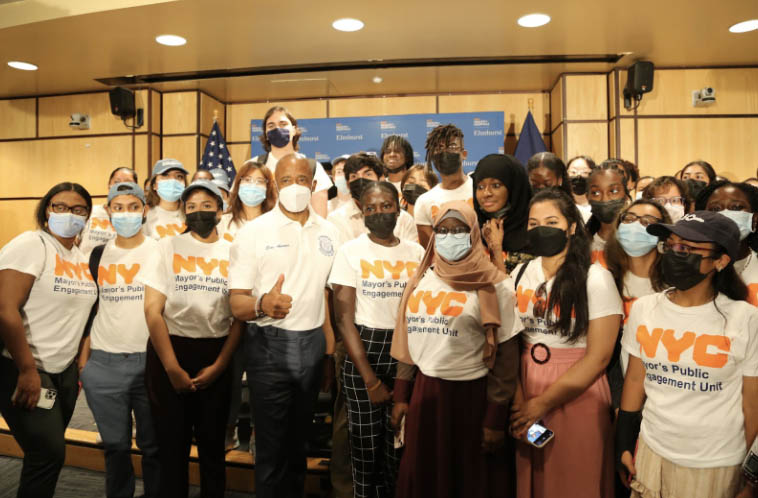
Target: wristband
{"x":258,"y":306}
{"x":627,"y":432}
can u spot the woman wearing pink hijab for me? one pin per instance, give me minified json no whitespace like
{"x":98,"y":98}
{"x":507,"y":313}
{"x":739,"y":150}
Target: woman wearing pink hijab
{"x":454,"y":333}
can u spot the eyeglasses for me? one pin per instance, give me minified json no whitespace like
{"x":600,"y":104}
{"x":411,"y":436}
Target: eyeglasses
{"x":458,"y":232}
{"x":644,"y":220}
{"x":540,"y":305}
{"x":674,"y":201}
{"x":61,"y":208}
{"x":453,"y":147}
{"x":255,"y":181}
{"x":682,"y":250}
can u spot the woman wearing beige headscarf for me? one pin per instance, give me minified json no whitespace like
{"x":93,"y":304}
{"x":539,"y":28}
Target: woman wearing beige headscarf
{"x":455,"y":322}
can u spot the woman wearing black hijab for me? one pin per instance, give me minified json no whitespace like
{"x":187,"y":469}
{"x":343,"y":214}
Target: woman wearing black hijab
{"x":501,"y":200}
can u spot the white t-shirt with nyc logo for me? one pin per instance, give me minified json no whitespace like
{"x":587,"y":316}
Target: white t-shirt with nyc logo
{"x":120,"y":326}
{"x":378,"y":274}
{"x":59,"y":301}
{"x":193,"y":275}
{"x":445,"y":333}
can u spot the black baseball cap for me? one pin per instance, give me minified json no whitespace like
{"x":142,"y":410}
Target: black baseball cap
{"x":703,"y":226}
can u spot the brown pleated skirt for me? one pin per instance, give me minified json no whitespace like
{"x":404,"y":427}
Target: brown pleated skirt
{"x":443,"y":443}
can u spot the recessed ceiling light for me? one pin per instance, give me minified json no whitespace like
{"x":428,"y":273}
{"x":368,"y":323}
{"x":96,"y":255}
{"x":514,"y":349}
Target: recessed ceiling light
{"x":24,"y":66}
{"x":533,"y":20}
{"x":347,"y":24}
{"x":377,"y":79}
{"x":745,"y":26}
{"x":170,"y":40}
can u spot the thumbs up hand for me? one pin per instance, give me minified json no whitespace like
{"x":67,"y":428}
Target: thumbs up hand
{"x":274,"y":303}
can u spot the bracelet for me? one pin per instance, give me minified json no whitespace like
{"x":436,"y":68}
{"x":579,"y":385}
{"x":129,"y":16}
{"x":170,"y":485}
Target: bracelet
{"x":258,"y":306}
{"x":375,"y":387}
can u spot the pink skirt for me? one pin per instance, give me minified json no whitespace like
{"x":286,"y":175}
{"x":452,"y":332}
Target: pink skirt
{"x":578,"y":462}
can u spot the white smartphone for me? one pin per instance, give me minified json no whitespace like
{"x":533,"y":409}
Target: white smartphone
{"x":538,"y":435}
{"x":400,"y":437}
{"x":46,"y":397}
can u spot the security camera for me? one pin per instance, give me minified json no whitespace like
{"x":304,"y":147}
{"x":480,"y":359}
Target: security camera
{"x":703,"y":97}
{"x":79,"y":121}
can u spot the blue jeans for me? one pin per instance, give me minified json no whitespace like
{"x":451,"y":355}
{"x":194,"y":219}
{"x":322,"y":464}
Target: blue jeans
{"x":284,"y":370}
{"x":114,"y":384}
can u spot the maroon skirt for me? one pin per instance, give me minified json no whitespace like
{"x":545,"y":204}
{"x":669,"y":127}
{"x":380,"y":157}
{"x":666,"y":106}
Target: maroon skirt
{"x":443,"y":443}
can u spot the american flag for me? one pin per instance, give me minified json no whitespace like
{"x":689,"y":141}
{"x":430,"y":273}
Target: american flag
{"x":217,"y":155}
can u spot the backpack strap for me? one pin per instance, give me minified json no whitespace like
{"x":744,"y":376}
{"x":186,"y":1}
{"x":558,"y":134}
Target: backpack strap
{"x":94,"y":264}
{"x":520,"y":274}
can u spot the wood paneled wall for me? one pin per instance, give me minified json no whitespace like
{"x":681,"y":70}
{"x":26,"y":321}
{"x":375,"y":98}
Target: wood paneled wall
{"x":38,"y":149}
{"x":666,"y":131}
{"x":579,"y":112}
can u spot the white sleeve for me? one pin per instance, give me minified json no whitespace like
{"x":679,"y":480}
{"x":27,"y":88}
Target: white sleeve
{"x":506,"y":300}
{"x":629,"y":342}
{"x":603,"y":298}
{"x":25,"y":253}
{"x":421,"y":210}
{"x":323,"y":182}
{"x":156,"y":274}
{"x":750,"y":363}
{"x":342,"y":273}
{"x":406,"y":228}
{"x":243,"y":268}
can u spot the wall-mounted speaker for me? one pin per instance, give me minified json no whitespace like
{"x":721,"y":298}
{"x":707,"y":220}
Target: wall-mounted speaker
{"x":638,"y":82}
{"x":122,"y":102}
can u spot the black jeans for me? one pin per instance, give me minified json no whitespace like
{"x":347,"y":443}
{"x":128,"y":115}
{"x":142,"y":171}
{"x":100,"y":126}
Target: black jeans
{"x":39,"y":432}
{"x":284,"y":369}
{"x":177,"y":416}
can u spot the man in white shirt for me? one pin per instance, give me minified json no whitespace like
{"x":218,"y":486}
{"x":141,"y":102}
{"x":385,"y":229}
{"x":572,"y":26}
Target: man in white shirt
{"x":444,"y":149}
{"x":279,"y":138}
{"x":360,"y":170}
{"x":279,"y":266}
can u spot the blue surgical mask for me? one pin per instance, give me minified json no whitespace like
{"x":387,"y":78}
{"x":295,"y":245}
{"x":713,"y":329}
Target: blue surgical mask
{"x":743,"y":219}
{"x":170,"y":190}
{"x":126,"y":224}
{"x":66,"y":225}
{"x":251,"y":195}
{"x":451,"y":247}
{"x":341,"y":184}
{"x":635,"y":240}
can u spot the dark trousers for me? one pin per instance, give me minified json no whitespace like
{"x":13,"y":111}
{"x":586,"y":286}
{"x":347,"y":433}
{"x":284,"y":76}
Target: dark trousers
{"x":39,"y":432}
{"x":177,"y":417}
{"x":284,"y":369}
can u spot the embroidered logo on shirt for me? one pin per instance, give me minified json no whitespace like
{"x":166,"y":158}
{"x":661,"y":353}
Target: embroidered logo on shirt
{"x":325,"y":245}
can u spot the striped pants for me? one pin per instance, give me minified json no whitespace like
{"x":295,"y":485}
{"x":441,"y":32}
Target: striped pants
{"x":374,"y":457}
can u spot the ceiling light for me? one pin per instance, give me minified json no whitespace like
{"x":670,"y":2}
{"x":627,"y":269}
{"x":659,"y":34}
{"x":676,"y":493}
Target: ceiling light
{"x":533,"y":20}
{"x":347,"y":24}
{"x":170,"y":40}
{"x":377,"y":79}
{"x":24,"y":66}
{"x":745,"y":26}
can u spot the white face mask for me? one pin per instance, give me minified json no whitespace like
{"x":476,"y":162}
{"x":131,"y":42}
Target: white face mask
{"x":676,"y":212}
{"x":295,"y":198}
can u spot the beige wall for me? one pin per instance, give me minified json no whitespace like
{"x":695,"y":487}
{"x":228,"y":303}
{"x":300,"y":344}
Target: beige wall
{"x":580,"y":114}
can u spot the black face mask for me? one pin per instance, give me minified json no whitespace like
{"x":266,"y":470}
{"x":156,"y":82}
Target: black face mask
{"x":546,"y":241}
{"x":683,"y":272}
{"x":396,"y":170}
{"x":695,"y":186}
{"x":412,"y":191}
{"x":381,"y":224}
{"x":332,"y":192}
{"x":446,"y":162}
{"x":578,"y":185}
{"x":202,"y":222}
{"x":356,"y":187}
{"x":606,"y":211}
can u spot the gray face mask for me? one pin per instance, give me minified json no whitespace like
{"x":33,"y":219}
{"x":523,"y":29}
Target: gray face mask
{"x":500,"y":213}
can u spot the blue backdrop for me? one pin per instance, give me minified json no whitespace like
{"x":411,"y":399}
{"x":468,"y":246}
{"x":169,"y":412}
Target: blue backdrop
{"x":327,"y":138}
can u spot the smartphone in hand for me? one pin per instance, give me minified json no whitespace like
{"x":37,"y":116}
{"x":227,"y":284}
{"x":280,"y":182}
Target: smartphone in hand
{"x":46,"y":397}
{"x":538,"y":435}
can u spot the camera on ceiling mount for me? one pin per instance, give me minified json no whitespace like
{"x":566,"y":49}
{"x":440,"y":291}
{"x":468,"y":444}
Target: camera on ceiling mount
{"x":703,"y":97}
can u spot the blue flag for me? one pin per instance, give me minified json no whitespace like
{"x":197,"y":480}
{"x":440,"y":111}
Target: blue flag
{"x":216,"y":154}
{"x":529,"y":141}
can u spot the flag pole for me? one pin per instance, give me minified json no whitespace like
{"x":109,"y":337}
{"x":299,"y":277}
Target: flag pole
{"x":215,"y":115}
{"x":529,"y":104}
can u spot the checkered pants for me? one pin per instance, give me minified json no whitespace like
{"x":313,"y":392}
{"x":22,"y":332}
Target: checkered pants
{"x":375,"y":459}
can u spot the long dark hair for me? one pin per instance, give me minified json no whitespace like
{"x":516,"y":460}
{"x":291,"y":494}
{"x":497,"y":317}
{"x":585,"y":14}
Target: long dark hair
{"x":553,"y":163}
{"x":39,"y":213}
{"x":617,"y":260}
{"x":709,"y":170}
{"x":569,"y":291}
{"x":593,"y":224}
